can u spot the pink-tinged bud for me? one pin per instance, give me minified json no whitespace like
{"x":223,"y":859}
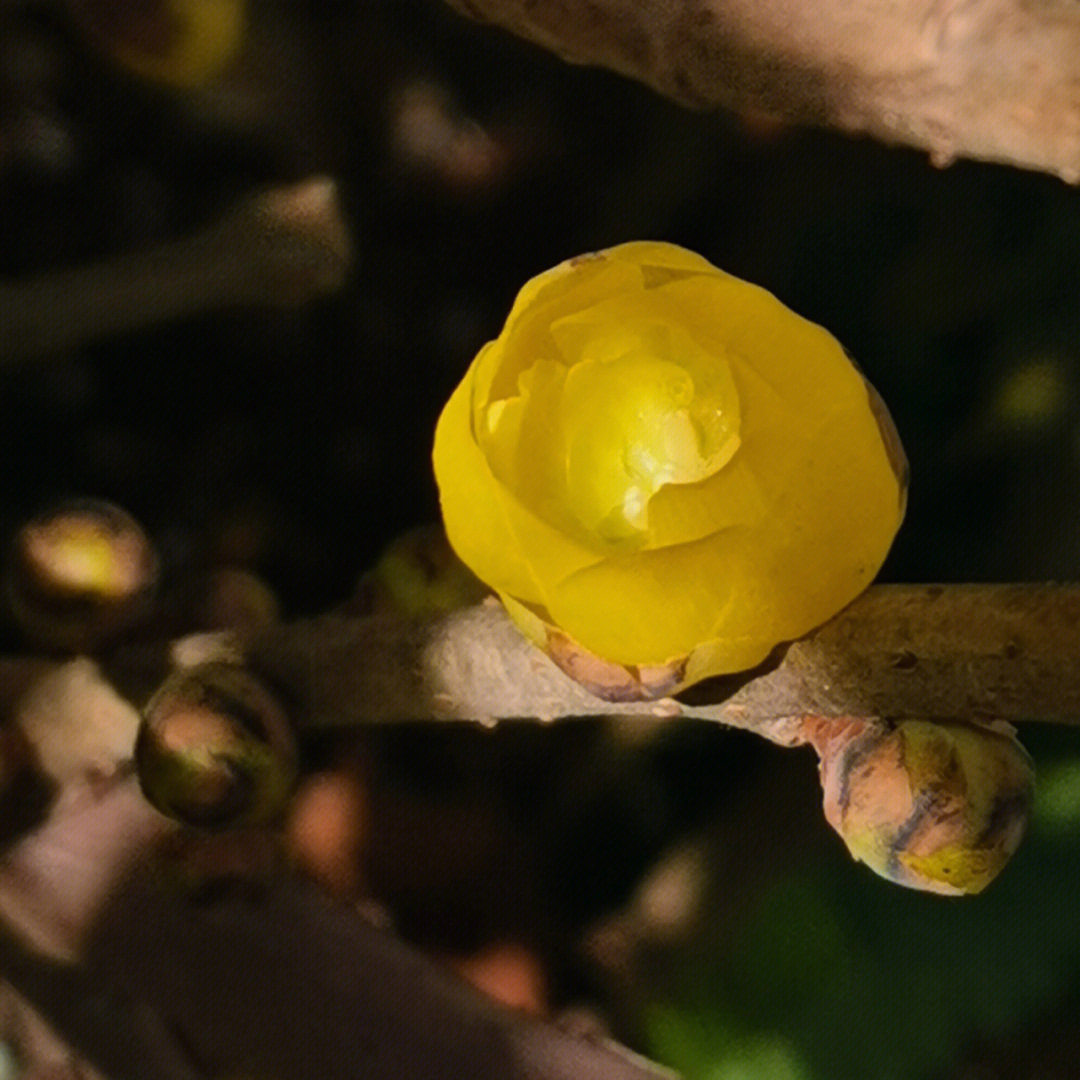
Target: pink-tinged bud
{"x":216,"y":749}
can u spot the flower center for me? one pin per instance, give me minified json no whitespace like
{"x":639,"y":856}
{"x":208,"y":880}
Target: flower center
{"x":624,"y":409}
{"x":631,"y":425}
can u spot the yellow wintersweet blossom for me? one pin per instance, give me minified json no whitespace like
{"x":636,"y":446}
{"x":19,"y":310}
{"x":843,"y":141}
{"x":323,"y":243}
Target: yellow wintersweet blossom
{"x":663,"y":471}
{"x":183,"y":43}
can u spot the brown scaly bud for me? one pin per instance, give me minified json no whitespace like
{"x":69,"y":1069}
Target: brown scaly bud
{"x":216,"y":749}
{"x":938,"y":806}
{"x":225,"y":598}
{"x":79,"y":575}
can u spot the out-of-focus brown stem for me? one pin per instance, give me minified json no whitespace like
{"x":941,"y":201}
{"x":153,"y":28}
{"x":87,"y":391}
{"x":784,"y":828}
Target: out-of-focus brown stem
{"x":958,"y":651}
{"x":150,"y":977}
{"x":278,"y":248}
{"x":989,"y":79}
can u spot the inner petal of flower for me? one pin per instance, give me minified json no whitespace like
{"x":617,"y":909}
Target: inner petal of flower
{"x":632,"y":424}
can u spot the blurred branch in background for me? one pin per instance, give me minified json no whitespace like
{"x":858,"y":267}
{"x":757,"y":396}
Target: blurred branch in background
{"x":289,"y":983}
{"x":279,"y":248}
{"x":988,"y":79}
{"x":154,"y":962}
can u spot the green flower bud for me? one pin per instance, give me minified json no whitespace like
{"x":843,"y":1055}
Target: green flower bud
{"x":418,"y":574}
{"x":79,"y":575}
{"x":937,"y":806}
{"x":216,"y":748}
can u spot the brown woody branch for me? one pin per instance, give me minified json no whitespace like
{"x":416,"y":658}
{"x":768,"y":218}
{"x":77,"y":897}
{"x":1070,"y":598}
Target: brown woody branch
{"x":1004,"y":652}
{"x":961,"y":651}
{"x":279,"y":248}
{"x":995,"y":80}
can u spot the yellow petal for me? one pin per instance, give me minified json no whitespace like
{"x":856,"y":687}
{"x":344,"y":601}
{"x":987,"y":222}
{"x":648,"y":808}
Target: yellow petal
{"x":630,"y":426}
{"x":486,"y":525}
{"x":568,"y":287}
{"x":630,"y":405}
{"x":649,"y":606}
{"x":652,"y":255}
{"x":472,"y":506}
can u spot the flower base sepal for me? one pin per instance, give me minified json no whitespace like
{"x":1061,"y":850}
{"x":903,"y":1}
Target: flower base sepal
{"x":606,"y":679}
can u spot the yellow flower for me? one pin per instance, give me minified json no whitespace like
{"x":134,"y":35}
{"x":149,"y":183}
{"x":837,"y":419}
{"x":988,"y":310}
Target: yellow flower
{"x":183,"y":43}
{"x":664,"y":472}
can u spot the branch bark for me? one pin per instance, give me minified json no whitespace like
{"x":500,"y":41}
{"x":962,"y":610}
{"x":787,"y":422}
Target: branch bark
{"x":279,"y":248}
{"x":995,"y":80}
{"x":947,"y":651}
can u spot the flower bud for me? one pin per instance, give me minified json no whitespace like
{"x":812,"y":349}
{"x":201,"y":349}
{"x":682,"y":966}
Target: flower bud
{"x":183,"y":43}
{"x":225,"y":598}
{"x":937,"y":806}
{"x":215,"y":748}
{"x":79,"y":575}
{"x":663,"y":472}
{"x":417,"y":574}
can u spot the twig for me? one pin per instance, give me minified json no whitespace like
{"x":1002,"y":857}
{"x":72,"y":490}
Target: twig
{"x":961,"y":651}
{"x":156,"y":982}
{"x":279,"y":248}
{"x":933,"y":651}
{"x":989,"y":79}
{"x":270,"y":980}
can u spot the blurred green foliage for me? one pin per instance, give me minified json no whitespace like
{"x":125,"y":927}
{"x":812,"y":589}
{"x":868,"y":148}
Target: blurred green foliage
{"x":837,"y":975}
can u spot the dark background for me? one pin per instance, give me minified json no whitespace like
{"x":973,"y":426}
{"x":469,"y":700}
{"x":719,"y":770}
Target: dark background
{"x":296,"y":443}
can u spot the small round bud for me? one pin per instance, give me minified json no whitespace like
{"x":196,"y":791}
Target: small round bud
{"x":79,"y":575}
{"x":418,"y":574}
{"x":225,"y":598}
{"x":216,"y":749}
{"x":937,"y":806}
